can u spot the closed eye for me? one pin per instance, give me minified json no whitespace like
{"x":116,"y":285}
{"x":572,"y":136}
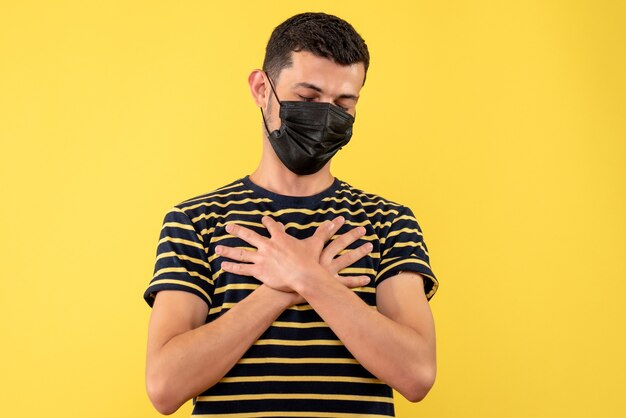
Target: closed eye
{"x":306,"y":99}
{"x":310,"y":99}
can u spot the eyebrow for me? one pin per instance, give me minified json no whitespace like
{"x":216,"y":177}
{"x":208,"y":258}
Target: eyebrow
{"x":319,"y":90}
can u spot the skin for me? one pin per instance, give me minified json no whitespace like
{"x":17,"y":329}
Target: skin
{"x":336,"y":83}
{"x":183,"y":358}
{"x":395,"y":342}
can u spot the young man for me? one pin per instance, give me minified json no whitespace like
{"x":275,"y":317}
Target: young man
{"x":288,"y":292}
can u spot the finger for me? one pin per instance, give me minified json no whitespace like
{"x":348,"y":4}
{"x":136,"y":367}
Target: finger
{"x":353,"y":281}
{"x":237,"y":253}
{"x":245,"y":234}
{"x":342,"y":242}
{"x":327,"y":229}
{"x":272,"y":226}
{"x":351,"y":257}
{"x":238,"y":268}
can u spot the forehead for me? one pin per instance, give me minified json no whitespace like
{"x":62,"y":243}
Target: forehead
{"x":332,"y":78}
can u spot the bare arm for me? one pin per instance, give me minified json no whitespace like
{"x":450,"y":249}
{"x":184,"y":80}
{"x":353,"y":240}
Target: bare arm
{"x":395,"y":343}
{"x":185,"y":356}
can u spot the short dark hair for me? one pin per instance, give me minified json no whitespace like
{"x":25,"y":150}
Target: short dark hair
{"x":319,"y":33}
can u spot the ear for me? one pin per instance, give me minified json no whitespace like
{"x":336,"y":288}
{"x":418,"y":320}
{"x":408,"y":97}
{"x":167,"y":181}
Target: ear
{"x":259,"y":87}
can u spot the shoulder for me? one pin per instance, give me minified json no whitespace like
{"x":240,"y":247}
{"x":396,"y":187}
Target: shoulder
{"x":219,"y":193}
{"x":389,"y":217}
{"x":214,"y":198}
{"x":372,"y":202}
{"x":200,"y":210}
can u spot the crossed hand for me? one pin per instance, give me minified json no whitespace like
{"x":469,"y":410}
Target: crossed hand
{"x":282,"y":260}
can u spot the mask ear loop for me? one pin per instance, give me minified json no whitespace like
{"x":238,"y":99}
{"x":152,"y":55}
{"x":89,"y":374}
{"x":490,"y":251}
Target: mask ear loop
{"x":272,"y":86}
{"x":279,"y":103}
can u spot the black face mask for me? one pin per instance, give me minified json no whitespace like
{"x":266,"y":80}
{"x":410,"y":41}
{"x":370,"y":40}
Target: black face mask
{"x":310,"y":134}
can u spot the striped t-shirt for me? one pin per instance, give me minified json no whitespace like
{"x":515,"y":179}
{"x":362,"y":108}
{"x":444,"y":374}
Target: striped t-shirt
{"x":298,"y":367}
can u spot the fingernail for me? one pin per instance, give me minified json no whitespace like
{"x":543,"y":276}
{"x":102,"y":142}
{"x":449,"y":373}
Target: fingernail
{"x":366,"y":281}
{"x":369,"y":246}
{"x":362,"y":229}
{"x":341,"y":219}
{"x":218,"y":249}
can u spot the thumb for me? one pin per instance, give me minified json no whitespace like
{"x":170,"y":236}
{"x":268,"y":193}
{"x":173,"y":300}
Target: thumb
{"x":327,"y":229}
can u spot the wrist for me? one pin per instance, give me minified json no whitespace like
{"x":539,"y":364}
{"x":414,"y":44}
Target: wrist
{"x":284,"y":299}
{"x":312,"y":279}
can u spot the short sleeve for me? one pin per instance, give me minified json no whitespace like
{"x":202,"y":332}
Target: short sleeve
{"x":181,"y":261}
{"x":404,"y":249}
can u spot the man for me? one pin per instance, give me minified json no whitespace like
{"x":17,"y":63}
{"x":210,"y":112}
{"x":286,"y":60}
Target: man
{"x":288,"y":292}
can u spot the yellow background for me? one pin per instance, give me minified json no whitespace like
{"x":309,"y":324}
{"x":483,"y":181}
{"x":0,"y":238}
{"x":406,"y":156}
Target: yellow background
{"x":501,"y":124}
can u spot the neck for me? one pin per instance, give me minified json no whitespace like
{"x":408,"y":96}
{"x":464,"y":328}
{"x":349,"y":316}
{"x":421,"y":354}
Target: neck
{"x":272,"y":175}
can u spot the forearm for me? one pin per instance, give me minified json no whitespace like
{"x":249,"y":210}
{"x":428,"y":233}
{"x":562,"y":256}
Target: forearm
{"x":193,"y":361}
{"x":395,"y":353}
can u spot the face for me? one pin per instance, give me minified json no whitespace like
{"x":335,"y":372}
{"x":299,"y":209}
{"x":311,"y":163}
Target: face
{"x":309,"y":78}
